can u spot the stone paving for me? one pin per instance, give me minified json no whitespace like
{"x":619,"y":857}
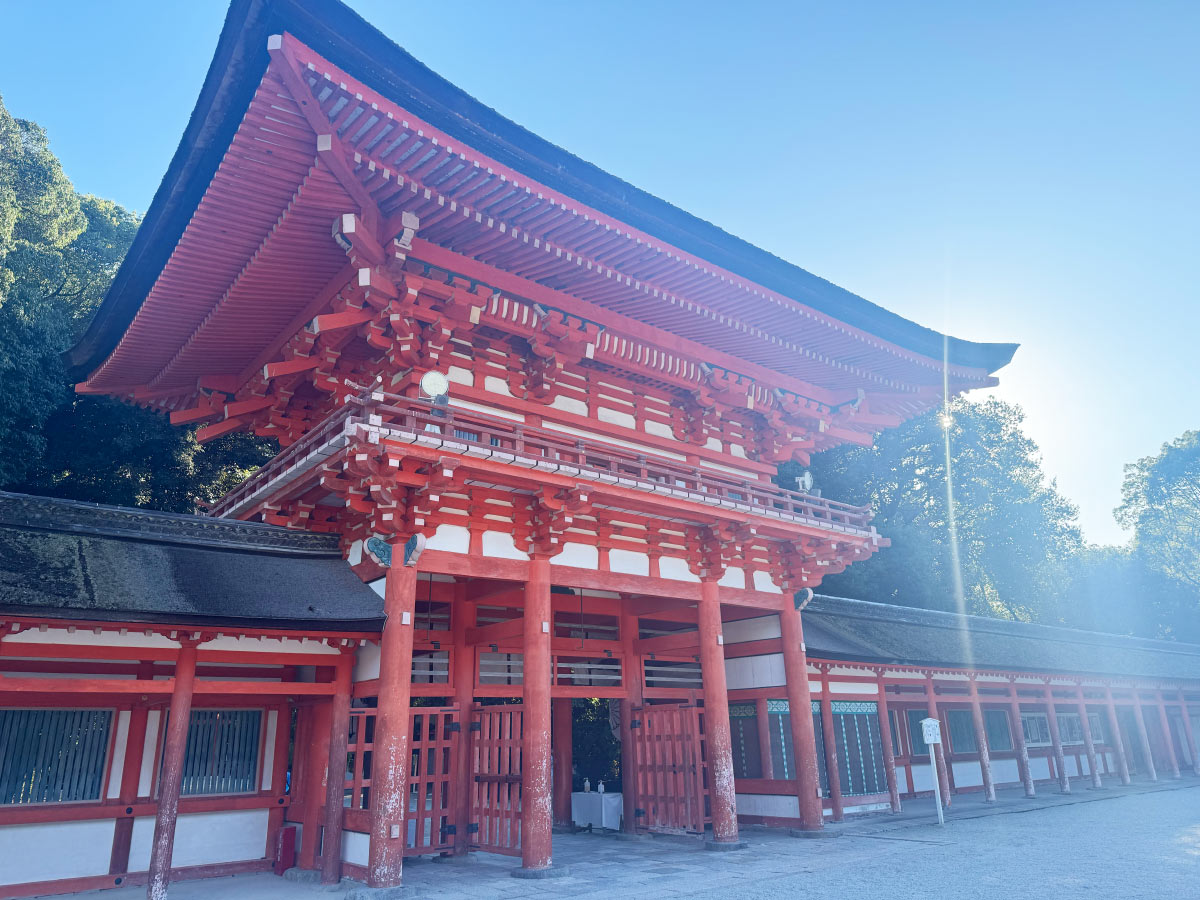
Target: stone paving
{"x":1141,"y":841}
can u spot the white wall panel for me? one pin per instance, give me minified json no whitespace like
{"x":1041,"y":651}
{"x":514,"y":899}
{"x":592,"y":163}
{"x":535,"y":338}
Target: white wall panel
{"x":204,"y":838}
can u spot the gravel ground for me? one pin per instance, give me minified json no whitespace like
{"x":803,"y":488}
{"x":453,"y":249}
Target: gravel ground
{"x":1123,"y":847}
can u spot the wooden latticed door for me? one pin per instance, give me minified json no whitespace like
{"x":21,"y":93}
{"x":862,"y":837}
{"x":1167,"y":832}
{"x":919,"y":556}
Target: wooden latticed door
{"x":496,"y":778}
{"x":435,"y":734}
{"x":669,"y":769}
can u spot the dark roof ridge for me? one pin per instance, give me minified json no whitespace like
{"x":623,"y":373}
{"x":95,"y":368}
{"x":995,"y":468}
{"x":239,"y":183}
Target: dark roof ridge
{"x":890,"y":612}
{"x":27,"y":511}
{"x":368,"y":54}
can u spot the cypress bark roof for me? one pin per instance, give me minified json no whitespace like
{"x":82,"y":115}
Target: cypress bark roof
{"x":65,"y":559}
{"x":840,"y":628}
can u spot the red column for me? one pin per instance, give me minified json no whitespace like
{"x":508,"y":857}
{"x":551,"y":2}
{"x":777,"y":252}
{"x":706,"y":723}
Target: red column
{"x":1189,"y":733}
{"x":1116,"y":741}
{"x":1089,"y":744}
{"x":462,"y":617}
{"x":561,"y":742}
{"x":172,"y":773}
{"x":1060,"y":761}
{"x":833,"y":772}
{"x":335,"y":781}
{"x":762,"y":721}
{"x":939,"y":750}
{"x":981,"y":744}
{"x":131,"y":770}
{"x":721,"y":792}
{"x":1144,"y":736}
{"x":1018,"y":736}
{"x":631,"y":679}
{"x":536,"y":812}
{"x":390,"y":758}
{"x":885,"y":738}
{"x":804,"y":736}
{"x":1168,"y":739}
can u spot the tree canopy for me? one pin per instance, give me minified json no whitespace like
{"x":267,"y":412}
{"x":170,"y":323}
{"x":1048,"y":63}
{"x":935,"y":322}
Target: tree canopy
{"x":58,"y":254}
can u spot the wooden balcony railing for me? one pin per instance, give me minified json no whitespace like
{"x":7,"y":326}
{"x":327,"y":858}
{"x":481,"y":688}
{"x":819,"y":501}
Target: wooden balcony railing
{"x":480,"y":434}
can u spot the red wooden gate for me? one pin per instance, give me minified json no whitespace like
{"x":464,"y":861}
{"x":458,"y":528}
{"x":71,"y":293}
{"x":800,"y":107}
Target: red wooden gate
{"x":435,"y":736}
{"x":669,"y":768}
{"x":496,"y":778}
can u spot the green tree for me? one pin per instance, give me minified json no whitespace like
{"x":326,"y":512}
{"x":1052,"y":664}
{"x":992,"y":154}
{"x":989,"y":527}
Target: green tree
{"x":1000,"y":543}
{"x":1160,"y":501}
{"x":58,"y":254}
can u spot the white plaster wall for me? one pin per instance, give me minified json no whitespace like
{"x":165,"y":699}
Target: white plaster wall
{"x":922,"y":779}
{"x":761,"y":628}
{"x":120,"y":744}
{"x":366,"y":662}
{"x":1072,"y":766}
{"x":851,"y":687}
{"x":675,"y":568}
{"x":783,"y":806}
{"x":967,"y":774}
{"x":356,"y":847}
{"x":204,"y":838}
{"x":490,"y":410}
{"x":1039,"y":767}
{"x":763,"y":582}
{"x":454,"y":538}
{"x":496,"y":385}
{"x":662,"y":429}
{"x":500,"y":544}
{"x":269,"y":645}
{"x":754,"y":671}
{"x":733,"y":577}
{"x":459,"y":375}
{"x":85,"y":637}
{"x":50,"y":850}
{"x":146,"y":775}
{"x":581,"y":556}
{"x":569,"y":404}
{"x":1005,"y":771}
{"x":615,"y":417}
{"x":628,"y":562}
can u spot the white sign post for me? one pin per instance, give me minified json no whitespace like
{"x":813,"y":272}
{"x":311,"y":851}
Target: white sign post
{"x":931,"y":733}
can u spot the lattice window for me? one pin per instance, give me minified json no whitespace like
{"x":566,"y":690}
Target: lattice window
{"x":501,"y":668}
{"x":430,"y":667}
{"x":1036,"y":728}
{"x":747,"y":756}
{"x":222,"y":752}
{"x":599,"y":671}
{"x":52,"y":755}
{"x":859,"y":748}
{"x":666,"y":673}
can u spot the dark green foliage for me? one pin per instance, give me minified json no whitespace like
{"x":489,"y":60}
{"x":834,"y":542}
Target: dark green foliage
{"x":1014,"y":530}
{"x":58,"y":254}
{"x":596,"y":753}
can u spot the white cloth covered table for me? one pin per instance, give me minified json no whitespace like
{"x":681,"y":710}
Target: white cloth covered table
{"x":596,"y":809}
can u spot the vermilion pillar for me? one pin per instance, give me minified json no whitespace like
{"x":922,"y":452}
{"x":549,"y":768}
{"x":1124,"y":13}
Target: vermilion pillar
{"x":1188,"y":733}
{"x":1116,"y":741}
{"x":1144,"y":736}
{"x":536,"y":813}
{"x":885,"y":738}
{"x":939,"y":750}
{"x":1164,"y":722}
{"x":721,"y":792}
{"x":981,"y":744}
{"x":462,"y":618}
{"x":631,"y":679}
{"x":1089,"y":744}
{"x":1060,"y":760}
{"x":172,"y":772}
{"x":335,"y":780}
{"x":1018,"y":735}
{"x":561,"y":736}
{"x":390,"y":759}
{"x":833,"y":771}
{"x":804,"y":736}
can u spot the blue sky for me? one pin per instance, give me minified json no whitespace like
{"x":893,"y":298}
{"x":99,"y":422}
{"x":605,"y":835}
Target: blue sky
{"x":1008,"y":171}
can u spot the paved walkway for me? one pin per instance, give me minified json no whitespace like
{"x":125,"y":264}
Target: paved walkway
{"x":1118,"y":843}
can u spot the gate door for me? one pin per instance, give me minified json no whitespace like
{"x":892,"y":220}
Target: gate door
{"x":669,"y":768}
{"x":435,"y":744}
{"x":496,"y":778}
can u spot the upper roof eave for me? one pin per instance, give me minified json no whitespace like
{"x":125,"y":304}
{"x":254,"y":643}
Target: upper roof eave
{"x":354,"y":45}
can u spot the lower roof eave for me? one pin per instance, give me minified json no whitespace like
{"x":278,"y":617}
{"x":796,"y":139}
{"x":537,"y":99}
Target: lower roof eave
{"x":103,"y":617}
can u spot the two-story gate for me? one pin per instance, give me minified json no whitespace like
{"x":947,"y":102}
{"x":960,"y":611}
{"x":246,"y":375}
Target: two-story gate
{"x":670,"y":774}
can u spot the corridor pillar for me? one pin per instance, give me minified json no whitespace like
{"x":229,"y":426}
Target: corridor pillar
{"x":939,"y":750}
{"x":1117,"y":741}
{"x":1018,"y":735}
{"x":171,"y":780}
{"x":1164,"y":722}
{"x":1144,"y":736}
{"x":536,"y":803}
{"x":885,"y":738}
{"x":1089,"y":743}
{"x":631,"y":678}
{"x":981,"y":744}
{"x":833,"y":769}
{"x":335,"y":778}
{"x":804,"y":736}
{"x":1060,"y":759}
{"x":1188,"y":732}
